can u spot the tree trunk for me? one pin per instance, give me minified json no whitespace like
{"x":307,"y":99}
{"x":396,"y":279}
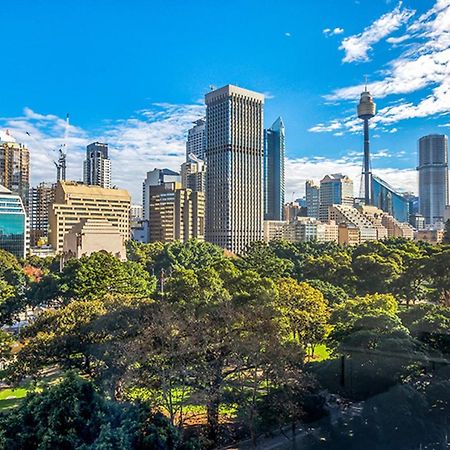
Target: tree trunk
{"x":212,"y":409}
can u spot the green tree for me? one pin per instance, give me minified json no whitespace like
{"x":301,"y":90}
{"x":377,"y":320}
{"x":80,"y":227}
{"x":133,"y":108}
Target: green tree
{"x":306,"y":311}
{"x":73,"y":415}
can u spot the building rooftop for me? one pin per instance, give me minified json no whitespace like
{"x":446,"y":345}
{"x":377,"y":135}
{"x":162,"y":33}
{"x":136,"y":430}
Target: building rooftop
{"x":72,"y":187}
{"x":230,"y":89}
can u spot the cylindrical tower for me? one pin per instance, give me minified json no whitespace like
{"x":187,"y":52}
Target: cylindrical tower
{"x":366,"y":110}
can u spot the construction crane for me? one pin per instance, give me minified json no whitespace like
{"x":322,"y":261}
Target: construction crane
{"x":62,"y":152}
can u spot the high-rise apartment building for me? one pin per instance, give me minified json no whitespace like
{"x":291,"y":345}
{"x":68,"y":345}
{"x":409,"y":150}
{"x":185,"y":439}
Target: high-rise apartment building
{"x":335,"y":189}
{"x":274,"y":151}
{"x":41,"y":199}
{"x":74,"y":201}
{"x":176,"y":214}
{"x":433,"y":177}
{"x":234,"y":179}
{"x":97,"y":166}
{"x":312,"y":193}
{"x":156,"y":177}
{"x":196,"y":140}
{"x":13,"y":224}
{"x":15,"y":169}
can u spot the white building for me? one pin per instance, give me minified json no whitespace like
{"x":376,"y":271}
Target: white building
{"x":196,"y":140}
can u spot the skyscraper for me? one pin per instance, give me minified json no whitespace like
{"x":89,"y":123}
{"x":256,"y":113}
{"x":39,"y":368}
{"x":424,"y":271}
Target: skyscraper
{"x":312,"y":192}
{"x":274,"y":150}
{"x":335,"y":189}
{"x":97,"y":166}
{"x":15,"y":169}
{"x":13,"y":224}
{"x":196,"y":140}
{"x":366,"y":110}
{"x":433,"y":177}
{"x":156,"y":177}
{"x":234,"y":179}
{"x":41,"y":198}
{"x":176,"y":214}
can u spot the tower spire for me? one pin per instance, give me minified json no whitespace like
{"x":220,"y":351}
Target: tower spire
{"x":366,"y":110}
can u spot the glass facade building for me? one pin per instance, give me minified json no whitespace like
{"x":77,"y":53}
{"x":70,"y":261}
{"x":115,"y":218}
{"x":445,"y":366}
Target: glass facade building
{"x":274,"y":150}
{"x":433,"y":177}
{"x":386,"y":198}
{"x":13,"y":224}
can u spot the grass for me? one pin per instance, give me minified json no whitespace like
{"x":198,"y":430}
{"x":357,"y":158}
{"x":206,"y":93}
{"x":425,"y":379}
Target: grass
{"x":10,"y":398}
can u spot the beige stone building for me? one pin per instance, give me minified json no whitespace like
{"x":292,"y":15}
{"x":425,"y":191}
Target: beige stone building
{"x":433,"y":236}
{"x":349,"y":234}
{"x":275,"y":230}
{"x":93,"y":235}
{"x":176,"y":214}
{"x":386,"y":225}
{"x":343,"y":214}
{"x":75,"y":201}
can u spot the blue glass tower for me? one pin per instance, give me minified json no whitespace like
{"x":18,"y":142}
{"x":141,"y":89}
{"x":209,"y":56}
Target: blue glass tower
{"x":274,"y":149}
{"x":13,"y":225}
{"x":389,"y":200}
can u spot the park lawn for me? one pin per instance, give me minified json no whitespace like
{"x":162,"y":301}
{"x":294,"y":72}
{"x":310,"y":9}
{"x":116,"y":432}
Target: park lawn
{"x":10,"y":398}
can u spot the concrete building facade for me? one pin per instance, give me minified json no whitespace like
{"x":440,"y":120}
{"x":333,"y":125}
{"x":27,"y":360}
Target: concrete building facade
{"x":335,"y":189}
{"x":41,"y":198}
{"x":93,"y":235}
{"x":176,"y":214}
{"x":74,"y":202}
{"x":234,"y":178}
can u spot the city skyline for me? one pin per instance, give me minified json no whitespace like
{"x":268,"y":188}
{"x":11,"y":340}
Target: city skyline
{"x":323,"y":130}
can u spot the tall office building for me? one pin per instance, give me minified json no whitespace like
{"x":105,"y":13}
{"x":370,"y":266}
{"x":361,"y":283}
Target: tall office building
{"x":156,"y":177}
{"x":312,"y":192}
{"x":74,"y":201}
{"x":97,"y":166}
{"x":335,"y":189}
{"x":176,"y":214}
{"x":13,"y":224}
{"x":433,"y":177}
{"x":15,"y":168}
{"x":234,"y":179}
{"x":274,"y":150}
{"x":196,"y":140}
{"x":41,"y":198}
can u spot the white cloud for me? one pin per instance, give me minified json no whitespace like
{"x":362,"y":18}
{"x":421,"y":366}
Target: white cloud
{"x":155,"y":137}
{"x":299,"y":170}
{"x":423,"y":66}
{"x":398,"y":40}
{"x":357,"y":47}
{"x":332,"y":32}
{"x":287,"y":34}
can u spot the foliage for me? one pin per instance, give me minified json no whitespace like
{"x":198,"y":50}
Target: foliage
{"x":72,"y":415}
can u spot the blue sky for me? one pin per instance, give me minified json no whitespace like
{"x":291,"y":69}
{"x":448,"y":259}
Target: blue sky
{"x":134,"y":74}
